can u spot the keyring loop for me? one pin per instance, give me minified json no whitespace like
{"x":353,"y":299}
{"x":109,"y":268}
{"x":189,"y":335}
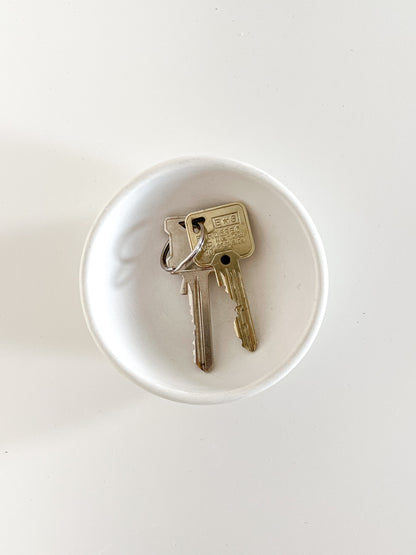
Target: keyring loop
{"x":186,"y":261}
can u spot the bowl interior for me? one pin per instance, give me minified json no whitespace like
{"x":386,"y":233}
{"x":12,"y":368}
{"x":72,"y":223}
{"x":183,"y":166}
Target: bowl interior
{"x":136,"y":313}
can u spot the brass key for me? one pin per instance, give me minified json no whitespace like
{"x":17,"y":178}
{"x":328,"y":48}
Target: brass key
{"x":228,"y":238}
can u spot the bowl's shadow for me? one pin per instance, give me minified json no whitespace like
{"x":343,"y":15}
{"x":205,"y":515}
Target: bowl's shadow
{"x":40,"y":299}
{"x":52,"y":374}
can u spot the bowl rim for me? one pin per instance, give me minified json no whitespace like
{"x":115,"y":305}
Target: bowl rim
{"x":309,"y":337}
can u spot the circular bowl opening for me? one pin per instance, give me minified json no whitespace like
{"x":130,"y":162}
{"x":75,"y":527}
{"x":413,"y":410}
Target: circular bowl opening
{"x":134,"y":309}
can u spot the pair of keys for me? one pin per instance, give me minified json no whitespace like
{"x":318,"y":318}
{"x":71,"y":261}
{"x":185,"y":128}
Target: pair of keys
{"x":211,"y":240}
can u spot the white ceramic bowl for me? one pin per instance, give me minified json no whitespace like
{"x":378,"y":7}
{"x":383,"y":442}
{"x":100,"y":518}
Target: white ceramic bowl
{"x":137,"y":316}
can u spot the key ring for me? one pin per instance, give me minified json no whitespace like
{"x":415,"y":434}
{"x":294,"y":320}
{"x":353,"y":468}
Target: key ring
{"x":186,"y":261}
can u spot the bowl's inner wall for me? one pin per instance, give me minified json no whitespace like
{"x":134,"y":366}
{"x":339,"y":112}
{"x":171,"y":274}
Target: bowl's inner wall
{"x":135,"y":307}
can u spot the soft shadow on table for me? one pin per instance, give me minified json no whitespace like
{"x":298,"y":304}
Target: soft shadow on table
{"x":52,"y":374}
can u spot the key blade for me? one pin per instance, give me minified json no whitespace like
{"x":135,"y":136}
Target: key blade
{"x":196,"y":284}
{"x":228,"y":272}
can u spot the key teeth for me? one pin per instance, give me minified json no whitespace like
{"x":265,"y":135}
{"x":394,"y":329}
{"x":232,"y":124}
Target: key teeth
{"x":251,"y":344}
{"x":243,"y":324}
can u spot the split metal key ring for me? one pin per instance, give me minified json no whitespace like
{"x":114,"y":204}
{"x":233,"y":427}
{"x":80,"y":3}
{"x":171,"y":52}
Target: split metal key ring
{"x":186,"y":261}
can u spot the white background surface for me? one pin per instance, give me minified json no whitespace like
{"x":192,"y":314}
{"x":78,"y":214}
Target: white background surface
{"x":319,"y":94}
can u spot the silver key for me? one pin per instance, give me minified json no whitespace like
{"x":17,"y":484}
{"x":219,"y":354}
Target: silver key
{"x":195,"y":284}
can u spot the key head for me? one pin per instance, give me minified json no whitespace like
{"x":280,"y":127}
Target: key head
{"x":227,"y":229}
{"x":178,"y":241}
